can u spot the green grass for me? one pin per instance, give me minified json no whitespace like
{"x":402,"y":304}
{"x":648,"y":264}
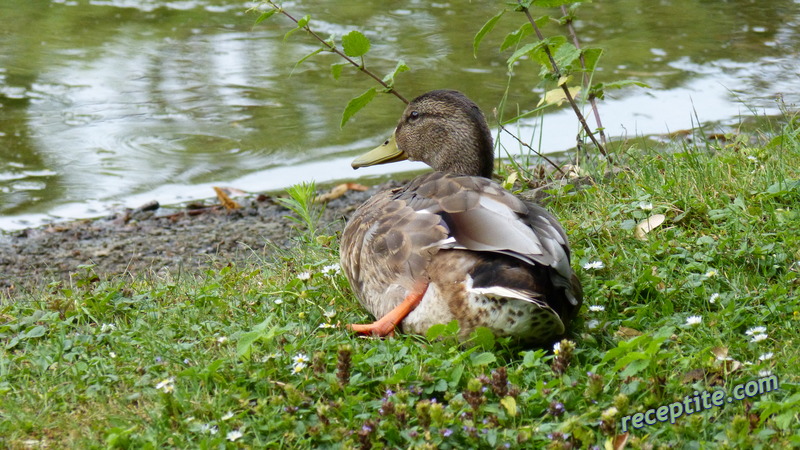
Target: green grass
{"x":191,"y":362}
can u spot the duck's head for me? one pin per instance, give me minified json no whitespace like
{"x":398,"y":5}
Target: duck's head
{"x":443,"y":129}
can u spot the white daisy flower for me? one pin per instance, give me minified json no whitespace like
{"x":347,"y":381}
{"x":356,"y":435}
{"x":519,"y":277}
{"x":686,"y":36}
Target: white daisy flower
{"x":756,"y":330}
{"x":273,"y":355}
{"x":713,"y":298}
{"x":645,"y":206}
{"x":222,"y":339}
{"x":167,"y":385}
{"x":694,"y":320}
{"x":300,"y":359}
{"x":298,"y":367}
{"x":557,"y":348}
{"x":107,"y":327}
{"x":765,"y":356}
{"x":711,"y":273}
{"x":329,"y":314}
{"x":234,"y":435}
{"x":228,"y":415}
{"x":208,"y":428}
{"x":277,"y":301}
{"x":112,"y":355}
{"x":597,"y":308}
{"x":758,"y":337}
{"x":764,"y":373}
{"x":327,"y":325}
{"x":305,"y":276}
{"x":594,"y":265}
{"x":331,"y":269}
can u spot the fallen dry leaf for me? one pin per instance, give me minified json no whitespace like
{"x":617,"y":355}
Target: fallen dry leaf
{"x":573,"y":171}
{"x":626,"y":332}
{"x":339,"y":191}
{"x":225,"y":199}
{"x":720,"y":352}
{"x":618,"y":442}
{"x":647,"y":225}
{"x":694,"y":375}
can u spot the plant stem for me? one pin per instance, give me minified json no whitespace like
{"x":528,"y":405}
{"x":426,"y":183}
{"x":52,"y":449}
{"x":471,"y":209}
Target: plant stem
{"x":592,"y":99}
{"x":564,"y":87}
{"x":525,"y":144}
{"x":333,"y":49}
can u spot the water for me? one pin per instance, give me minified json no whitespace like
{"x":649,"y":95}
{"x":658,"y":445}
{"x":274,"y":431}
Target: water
{"x":112,"y":103}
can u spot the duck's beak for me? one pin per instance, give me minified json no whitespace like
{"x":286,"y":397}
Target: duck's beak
{"x":383,"y":154}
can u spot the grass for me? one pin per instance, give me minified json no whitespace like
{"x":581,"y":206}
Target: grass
{"x":256,"y":355}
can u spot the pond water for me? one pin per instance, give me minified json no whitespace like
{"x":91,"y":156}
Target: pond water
{"x":112,"y":103}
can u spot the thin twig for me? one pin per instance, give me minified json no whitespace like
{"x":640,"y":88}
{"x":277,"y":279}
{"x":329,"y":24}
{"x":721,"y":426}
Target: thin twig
{"x":525,"y":144}
{"x":564,"y":87}
{"x":592,"y":99}
{"x":333,"y":49}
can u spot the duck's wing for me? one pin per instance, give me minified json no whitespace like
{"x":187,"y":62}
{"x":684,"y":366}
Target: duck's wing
{"x":482,"y":216}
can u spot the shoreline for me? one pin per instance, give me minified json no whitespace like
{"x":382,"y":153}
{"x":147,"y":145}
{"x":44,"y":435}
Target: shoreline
{"x":152,"y":239}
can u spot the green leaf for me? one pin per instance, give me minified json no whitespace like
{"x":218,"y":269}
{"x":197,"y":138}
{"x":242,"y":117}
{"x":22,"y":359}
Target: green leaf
{"x":336,"y":70}
{"x":355,"y":44}
{"x":532,"y":358}
{"x":522,"y":51}
{"x":356,"y":104}
{"x":565,"y":55}
{"x":486,"y":28}
{"x":262,"y":331}
{"x":452,"y":328}
{"x":599,"y":90}
{"x":300,"y":24}
{"x":35,"y":332}
{"x":244,"y":345}
{"x":455,"y":375}
{"x":513,"y":39}
{"x":483,"y":359}
{"x":591,"y":55}
{"x":400,"y":67}
{"x":319,"y":50}
{"x":629,"y":358}
{"x":635,"y":367}
{"x":553,"y":43}
{"x":266,"y":15}
{"x":435,"y":331}
{"x":483,"y":337}
{"x":401,"y":375}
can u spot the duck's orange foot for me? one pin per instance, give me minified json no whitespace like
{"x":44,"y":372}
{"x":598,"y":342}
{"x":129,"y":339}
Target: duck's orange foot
{"x":385,"y":325}
{"x":379,"y":328}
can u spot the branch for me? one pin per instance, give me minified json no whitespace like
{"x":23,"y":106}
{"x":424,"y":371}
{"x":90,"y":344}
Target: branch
{"x":592,"y":99}
{"x":564,"y":87}
{"x":333,"y":49}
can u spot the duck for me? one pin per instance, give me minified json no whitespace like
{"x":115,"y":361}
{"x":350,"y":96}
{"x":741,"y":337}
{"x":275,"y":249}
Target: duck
{"x":452,"y":244}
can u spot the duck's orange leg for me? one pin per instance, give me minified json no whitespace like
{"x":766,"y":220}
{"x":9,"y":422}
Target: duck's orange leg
{"x":385,"y":325}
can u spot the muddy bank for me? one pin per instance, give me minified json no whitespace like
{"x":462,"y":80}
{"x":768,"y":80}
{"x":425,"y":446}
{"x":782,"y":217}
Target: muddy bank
{"x":151,"y":239}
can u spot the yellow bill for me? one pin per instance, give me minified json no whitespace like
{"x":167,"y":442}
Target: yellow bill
{"x":383,"y":154}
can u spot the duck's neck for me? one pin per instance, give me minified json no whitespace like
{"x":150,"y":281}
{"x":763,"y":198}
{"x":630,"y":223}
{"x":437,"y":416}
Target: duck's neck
{"x":467,"y":155}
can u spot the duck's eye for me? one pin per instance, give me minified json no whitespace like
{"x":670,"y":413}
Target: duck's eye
{"x":413,"y":116}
